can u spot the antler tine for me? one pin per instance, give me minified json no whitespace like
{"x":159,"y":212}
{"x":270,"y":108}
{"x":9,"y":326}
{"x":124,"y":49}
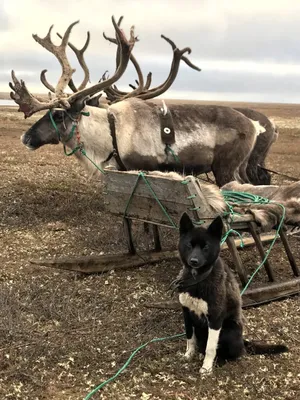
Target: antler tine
{"x":60,"y":54}
{"x":28,"y":103}
{"x":80,"y":57}
{"x":126,"y":47}
{"x":178,"y":55}
{"x":45,"y":82}
{"x":148,"y":81}
{"x":137,"y":90}
{"x":184,"y":58}
{"x":190,"y":64}
{"x":50,"y":87}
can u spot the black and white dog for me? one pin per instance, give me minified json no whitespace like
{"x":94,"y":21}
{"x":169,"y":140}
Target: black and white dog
{"x":210,"y":298}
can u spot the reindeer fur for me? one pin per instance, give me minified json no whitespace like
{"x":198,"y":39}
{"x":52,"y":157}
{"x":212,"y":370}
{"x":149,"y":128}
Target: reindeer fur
{"x":256,"y":175}
{"x":269,"y":215}
{"x":208,"y":138}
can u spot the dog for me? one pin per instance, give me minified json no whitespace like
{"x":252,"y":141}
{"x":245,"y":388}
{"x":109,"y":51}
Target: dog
{"x":210,"y":298}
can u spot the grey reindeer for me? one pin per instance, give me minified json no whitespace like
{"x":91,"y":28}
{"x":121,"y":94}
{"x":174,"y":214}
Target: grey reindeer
{"x":253,"y":167}
{"x":208,"y":138}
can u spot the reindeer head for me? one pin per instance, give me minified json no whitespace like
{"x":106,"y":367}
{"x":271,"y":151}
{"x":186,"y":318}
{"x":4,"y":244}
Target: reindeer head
{"x":64,"y":108}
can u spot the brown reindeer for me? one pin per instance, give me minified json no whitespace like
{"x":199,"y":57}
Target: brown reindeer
{"x":126,"y":134}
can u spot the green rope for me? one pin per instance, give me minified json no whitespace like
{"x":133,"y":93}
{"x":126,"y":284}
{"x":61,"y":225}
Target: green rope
{"x":70,"y":136}
{"x":229,"y":232}
{"x":176,"y":158}
{"x":83,"y":152}
{"x":129,"y":360}
{"x":142,"y":175}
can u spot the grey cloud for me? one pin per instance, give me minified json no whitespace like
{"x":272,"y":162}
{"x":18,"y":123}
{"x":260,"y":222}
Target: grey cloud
{"x":187,"y":80}
{"x":265,"y":38}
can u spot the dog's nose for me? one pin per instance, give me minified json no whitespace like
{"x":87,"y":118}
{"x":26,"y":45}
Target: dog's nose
{"x":194,"y":261}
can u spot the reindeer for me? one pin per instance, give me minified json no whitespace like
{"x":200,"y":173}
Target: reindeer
{"x":255,"y":167}
{"x":126,"y":133}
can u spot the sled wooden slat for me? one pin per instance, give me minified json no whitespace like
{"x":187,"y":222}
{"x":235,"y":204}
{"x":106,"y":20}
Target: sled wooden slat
{"x":143,"y":206}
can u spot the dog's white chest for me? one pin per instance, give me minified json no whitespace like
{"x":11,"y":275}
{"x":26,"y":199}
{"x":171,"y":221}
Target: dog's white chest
{"x":198,"y":306}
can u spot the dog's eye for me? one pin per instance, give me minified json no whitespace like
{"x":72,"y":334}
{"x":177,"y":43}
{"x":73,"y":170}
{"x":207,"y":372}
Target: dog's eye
{"x":205,"y":248}
{"x":188,"y":246}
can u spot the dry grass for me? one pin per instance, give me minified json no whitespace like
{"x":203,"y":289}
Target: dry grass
{"x":62,"y":333}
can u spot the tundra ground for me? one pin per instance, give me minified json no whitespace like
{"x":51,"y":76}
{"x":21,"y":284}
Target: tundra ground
{"x":61,"y":333}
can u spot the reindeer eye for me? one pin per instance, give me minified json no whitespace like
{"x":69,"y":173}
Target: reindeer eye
{"x":59,"y":117}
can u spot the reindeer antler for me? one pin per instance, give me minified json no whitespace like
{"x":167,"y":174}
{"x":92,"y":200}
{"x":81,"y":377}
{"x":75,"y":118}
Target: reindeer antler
{"x":178,"y":55}
{"x":29,"y":104}
{"x":80,"y":57}
{"x":115,"y":92}
{"x":60,"y":54}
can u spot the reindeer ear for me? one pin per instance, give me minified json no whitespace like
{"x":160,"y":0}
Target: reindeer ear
{"x":94,"y":101}
{"x":185,"y":224}
{"x":216,"y":228}
{"x":78,"y":106}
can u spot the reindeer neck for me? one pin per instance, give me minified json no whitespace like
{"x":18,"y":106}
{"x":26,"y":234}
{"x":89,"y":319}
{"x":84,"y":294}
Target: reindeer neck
{"x":94,"y":133}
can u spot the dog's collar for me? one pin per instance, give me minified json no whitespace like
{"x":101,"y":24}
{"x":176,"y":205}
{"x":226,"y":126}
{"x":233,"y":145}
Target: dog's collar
{"x":181,"y":284}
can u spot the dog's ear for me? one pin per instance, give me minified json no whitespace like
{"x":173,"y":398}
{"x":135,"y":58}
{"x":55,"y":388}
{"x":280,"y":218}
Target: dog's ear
{"x":185,"y":224}
{"x":216,"y":228}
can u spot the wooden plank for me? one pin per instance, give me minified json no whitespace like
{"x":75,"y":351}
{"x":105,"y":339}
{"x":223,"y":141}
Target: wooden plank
{"x":251,"y":298}
{"x":99,"y":264}
{"x":145,"y":209}
{"x":289,"y":252}
{"x":201,"y":210}
{"x":236,"y":260}
{"x":271,"y":292}
{"x":165,"y":188}
{"x":128,"y":233}
{"x":256,"y":237}
{"x":157,"y":243}
{"x":95,"y":264}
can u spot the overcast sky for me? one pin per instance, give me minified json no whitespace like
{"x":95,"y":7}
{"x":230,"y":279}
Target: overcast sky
{"x":247,"y":50}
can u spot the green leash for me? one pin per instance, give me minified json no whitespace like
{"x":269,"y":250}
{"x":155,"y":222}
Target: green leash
{"x":129,"y":360}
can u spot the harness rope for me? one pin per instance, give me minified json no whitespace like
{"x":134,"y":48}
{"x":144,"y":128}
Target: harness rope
{"x":74,"y":129}
{"x":229,"y":197}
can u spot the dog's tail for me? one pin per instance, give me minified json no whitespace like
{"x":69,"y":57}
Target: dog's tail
{"x":257,"y":347}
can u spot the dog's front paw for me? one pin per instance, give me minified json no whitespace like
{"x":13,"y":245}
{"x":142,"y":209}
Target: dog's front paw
{"x":189,"y":355}
{"x":205,"y":371}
